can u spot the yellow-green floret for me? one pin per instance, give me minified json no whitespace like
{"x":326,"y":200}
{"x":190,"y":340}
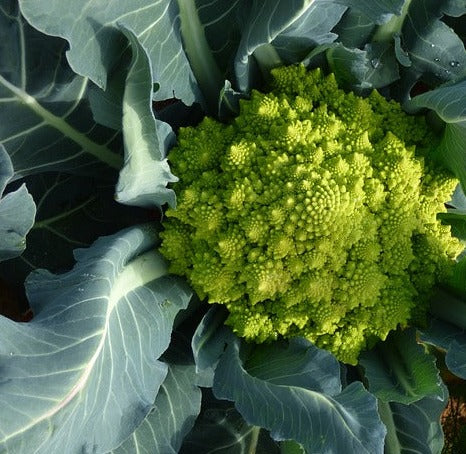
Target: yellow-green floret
{"x":312,"y":214}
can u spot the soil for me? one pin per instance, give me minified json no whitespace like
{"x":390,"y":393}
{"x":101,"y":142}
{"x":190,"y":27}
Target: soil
{"x":454,"y":416}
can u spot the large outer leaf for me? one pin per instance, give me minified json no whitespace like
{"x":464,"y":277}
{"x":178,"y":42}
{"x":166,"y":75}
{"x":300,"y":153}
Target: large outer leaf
{"x":218,"y":16}
{"x":292,"y":28}
{"x":414,"y":44}
{"x":208,"y":344}
{"x":47,"y":124}
{"x":205,"y":68}
{"x":448,"y":329}
{"x":88,"y":360}
{"x":17,"y":212}
{"x":354,"y":29}
{"x":458,"y":199}
{"x":436,"y":52}
{"x":174,"y":412}
{"x":305,"y":365}
{"x":399,"y":370}
{"x":452,"y":339}
{"x":322,"y":423}
{"x":311,"y":29}
{"x":72,"y":211}
{"x":449,"y":102}
{"x":177,"y":405}
{"x":95,"y":42}
{"x":414,"y":428}
{"x":220,"y":429}
{"x":456,"y":215}
{"x":372,"y":67}
{"x":361,"y":18}
{"x":144,"y":177}
{"x":268,"y":20}
{"x":380,"y":11}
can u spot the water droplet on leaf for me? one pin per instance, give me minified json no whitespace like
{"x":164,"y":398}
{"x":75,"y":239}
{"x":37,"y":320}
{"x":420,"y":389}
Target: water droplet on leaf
{"x":454,"y":64}
{"x":375,"y":62}
{"x":437,"y":59}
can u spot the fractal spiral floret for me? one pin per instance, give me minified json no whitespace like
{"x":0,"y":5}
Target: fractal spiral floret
{"x":313,"y":214}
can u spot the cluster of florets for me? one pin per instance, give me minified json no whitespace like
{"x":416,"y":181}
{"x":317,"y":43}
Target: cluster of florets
{"x":312,"y":214}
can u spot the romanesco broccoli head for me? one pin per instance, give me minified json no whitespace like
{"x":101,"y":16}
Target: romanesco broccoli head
{"x":312,"y":214}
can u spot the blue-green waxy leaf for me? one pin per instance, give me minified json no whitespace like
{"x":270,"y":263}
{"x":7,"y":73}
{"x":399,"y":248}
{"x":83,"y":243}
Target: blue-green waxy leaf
{"x":361,"y":19}
{"x":320,"y":422}
{"x":458,"y":200}
{"x":220,"y":429}
{"x":56,"y":131}
{"x":379,"y":11}
{"x":312,"y":28}
{"x":89,"y":358}
{"x":146,"y":173}
{"x":96,"y":43}
{"x":424,"y":46}
{"x":208,"y":74}
{"x":456,"y":217}
{"x":208,"y":344}
{"x":283,"y":31}
{"x":399,"y":370}
{"x":435,"y":50}
{"x":455,"y":8}
{"x":17,"y":212}
{"x":449,"y":102}
{"x":174,"y":411}
{"x":72,"y":211}
{"x":372,"y":67}
{"x":172,"y":416}
{"x":295,"y":24}
{"x":354,"y":29}
{"x":447,"y":329}
{"x":414,"y":428}
{"x":452,"y":339}
{"x":50,"y":125}
{"x":305,"y":366}
{"x":217,"y":17}
{"x":107,"y":106}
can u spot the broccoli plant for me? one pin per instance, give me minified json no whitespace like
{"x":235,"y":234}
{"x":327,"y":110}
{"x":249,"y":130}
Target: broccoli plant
{"x":306,"y":204}
{"x":312,"y":214}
